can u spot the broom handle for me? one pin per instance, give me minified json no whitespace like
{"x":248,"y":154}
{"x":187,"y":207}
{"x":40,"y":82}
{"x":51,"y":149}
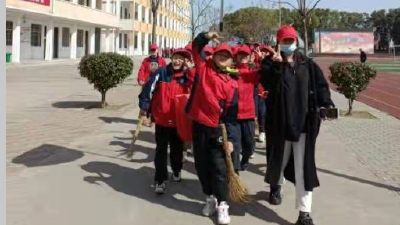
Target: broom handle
{"x":139,"y":127}
{"x":224,"y":136}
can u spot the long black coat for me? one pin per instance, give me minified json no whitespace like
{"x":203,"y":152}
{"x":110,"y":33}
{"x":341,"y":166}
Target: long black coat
{"x":276,"y":119}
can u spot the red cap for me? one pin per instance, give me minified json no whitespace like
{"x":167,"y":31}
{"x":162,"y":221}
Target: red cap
{"x":243,"y":49}
{"x":264,"y":48}
{"x":256,"y":44}
{"x":188,"y":47}
{"x":153,"y":47}
{"x":208,"y":49}
{"x":181,"y":51}
{"x":223,"y":47}
{"x":286,"y":32}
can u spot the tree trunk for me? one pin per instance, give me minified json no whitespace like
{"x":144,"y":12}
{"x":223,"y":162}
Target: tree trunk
{"x":103,"y":100}
{"x":153,"y":36}
{"x":350,"y":107}
{"x":193,"y":35}
{"x":305,"y":36}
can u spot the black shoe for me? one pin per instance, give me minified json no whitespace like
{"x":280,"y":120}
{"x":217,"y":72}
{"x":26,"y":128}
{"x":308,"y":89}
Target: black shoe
{"x":305,"y":220}
{"x":275,"y":197}
{"x":244,"y":164}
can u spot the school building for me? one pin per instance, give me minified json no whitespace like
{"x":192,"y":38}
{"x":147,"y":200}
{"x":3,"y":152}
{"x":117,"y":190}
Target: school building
{"x":71,"y":29}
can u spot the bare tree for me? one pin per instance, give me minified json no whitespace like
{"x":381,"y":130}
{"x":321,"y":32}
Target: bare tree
{"x":305,"y":11}
{"x":202,"y":14}
{"x":154,"y":9}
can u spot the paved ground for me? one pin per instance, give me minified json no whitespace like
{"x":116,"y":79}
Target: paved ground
{"x":383,"y":92}
{"x":63,"y":163}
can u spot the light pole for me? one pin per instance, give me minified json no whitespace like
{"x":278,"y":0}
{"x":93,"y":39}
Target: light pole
{"x":280,"y":14}
{"x":221,"y":22}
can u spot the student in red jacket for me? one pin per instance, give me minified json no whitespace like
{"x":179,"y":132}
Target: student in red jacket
{"x":244,"y":135}
{"x":158,"y":98}
{"x":213,"y":101}
{"x":150,"y":64}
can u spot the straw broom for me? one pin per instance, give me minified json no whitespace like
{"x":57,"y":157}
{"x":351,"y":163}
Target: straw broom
{"x":237,"y":190}
{"x":135,"y":134}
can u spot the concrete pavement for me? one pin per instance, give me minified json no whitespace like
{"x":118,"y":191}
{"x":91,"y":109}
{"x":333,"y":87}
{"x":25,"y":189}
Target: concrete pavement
{"x":64,"y":165}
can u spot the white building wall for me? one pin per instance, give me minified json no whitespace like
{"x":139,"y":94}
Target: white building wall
{"x":29,"y":52}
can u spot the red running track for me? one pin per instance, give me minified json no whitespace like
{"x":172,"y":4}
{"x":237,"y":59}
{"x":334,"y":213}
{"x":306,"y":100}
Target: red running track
{"x":383,"y":92}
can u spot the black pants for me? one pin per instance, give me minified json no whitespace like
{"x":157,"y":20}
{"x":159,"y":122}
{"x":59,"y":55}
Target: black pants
{"x":209,"y":158}
{"x":246,"y":137}
{"x":262,"y":110}
{"x":167,"y":136}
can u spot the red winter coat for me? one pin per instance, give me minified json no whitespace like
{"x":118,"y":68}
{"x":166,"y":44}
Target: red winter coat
{"x":144,"y":71}
{"x":159,"y":94}
{"x":214,"y":94}
{"x":248,"y":79}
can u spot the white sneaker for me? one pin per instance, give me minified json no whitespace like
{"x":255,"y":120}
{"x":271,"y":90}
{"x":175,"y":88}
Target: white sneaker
{"x":160,"y":188}
{"x":211,"y":206}
{"x":223,"y":214}
{"x":252,"y":156}
{"x":177,"y":179}
{"x":261,"y":137}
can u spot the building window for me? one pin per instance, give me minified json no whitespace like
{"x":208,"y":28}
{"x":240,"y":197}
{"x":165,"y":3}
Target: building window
{"x":136,"y":11}
{"x":135,"y":42}
{"x":9,"y":32}
{"x":165,"y":21}
{"x":65,"y":37}
{"x":125,"y":40}
{"x":143,"y":14}
{"x":120,"y":40}
{"x":84,"y":2}
{"x":143,"y":41}
{"x":36,"y":35}
{"x":150,"y":17}
{"x":79,"y":39}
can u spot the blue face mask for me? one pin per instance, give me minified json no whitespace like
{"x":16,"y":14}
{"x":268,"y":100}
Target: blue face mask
{"x":288,"y":49}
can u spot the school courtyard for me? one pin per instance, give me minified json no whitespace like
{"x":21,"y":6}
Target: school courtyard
{"x":65,"y":162}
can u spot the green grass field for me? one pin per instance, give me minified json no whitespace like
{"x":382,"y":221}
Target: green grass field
{"x":389,"y":67}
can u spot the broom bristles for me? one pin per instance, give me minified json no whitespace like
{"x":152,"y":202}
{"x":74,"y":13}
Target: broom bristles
{"x":237,"y":189}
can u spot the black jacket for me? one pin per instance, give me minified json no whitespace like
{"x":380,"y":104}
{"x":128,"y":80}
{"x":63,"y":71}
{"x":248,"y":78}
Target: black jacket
{"x":316,"y":94}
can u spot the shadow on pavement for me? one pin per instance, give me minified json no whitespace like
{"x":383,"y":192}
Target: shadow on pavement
{"x":138,"y":183}
{"x":118,"y":120}
{"x":379,"y":185}
{"x":77,"y":105}
{"x":138,"y":148}
{"x":48,"y":155}
{"x":147,"y":136}
{"x":262,"y":212}
{"x":256,"y":169}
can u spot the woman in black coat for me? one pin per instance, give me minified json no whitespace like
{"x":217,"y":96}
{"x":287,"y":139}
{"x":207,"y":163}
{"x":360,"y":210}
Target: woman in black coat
{"x":297,"y":89}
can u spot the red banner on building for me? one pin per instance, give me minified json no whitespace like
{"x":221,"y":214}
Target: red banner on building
{"x":41,"y":2}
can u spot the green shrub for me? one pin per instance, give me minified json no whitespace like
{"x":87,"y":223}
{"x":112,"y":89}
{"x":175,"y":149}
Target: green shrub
{"x":351,"y":78}
{"x":105,"y":71}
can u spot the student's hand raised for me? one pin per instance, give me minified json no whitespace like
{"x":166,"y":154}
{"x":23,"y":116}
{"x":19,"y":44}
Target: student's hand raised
{"x":213,"y":36}
{"x":276,"y":55}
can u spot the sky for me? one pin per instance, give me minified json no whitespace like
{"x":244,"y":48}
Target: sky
{"x":343,"y":5}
